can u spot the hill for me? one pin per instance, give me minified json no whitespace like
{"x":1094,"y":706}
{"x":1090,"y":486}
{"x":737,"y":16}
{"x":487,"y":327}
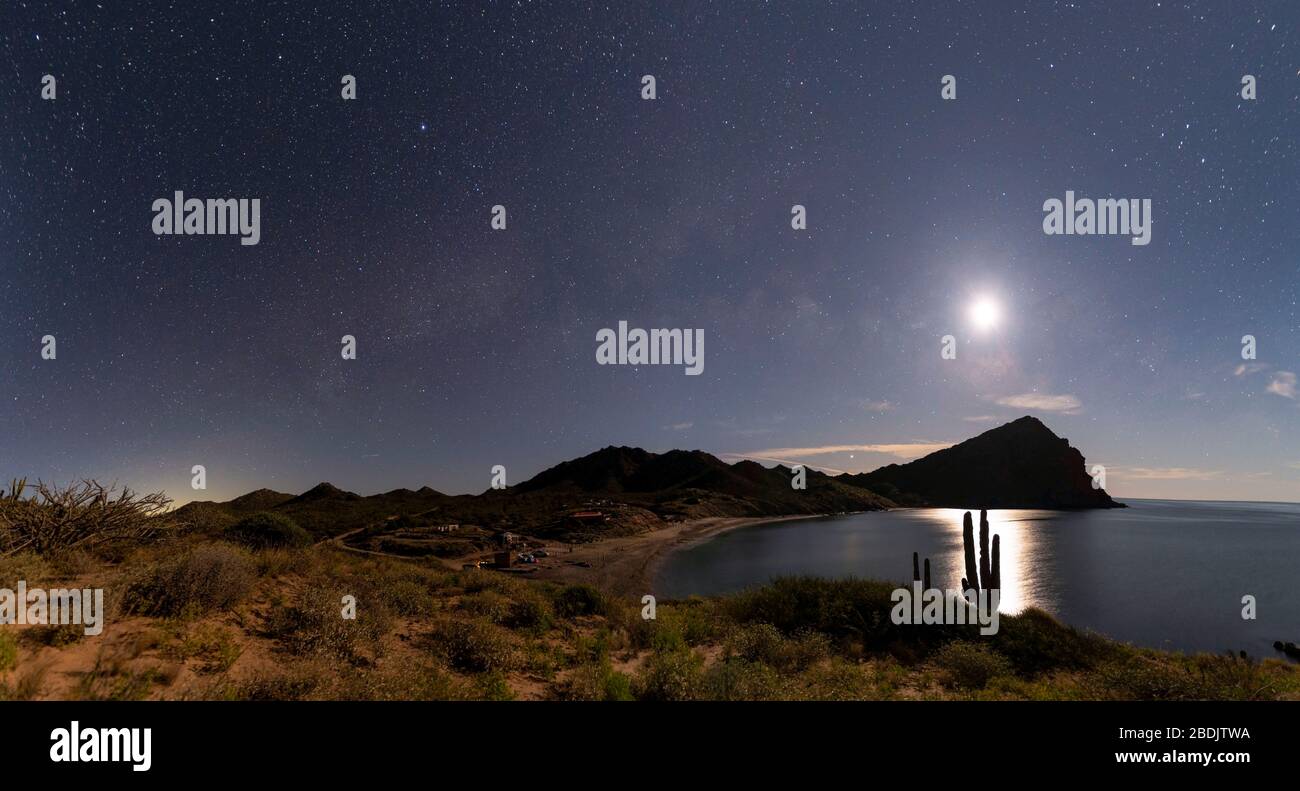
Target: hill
{"x":1022,"y":464}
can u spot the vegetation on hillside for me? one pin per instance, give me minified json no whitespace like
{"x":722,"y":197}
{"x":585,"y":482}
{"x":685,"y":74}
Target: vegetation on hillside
{"x":193,"y":615}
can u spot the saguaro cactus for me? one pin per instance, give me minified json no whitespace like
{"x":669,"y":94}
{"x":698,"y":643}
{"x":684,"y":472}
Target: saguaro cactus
{"x":972,"y":578}
{"x":983,"y":570}
{"x":988,"y":574}
{"x":916,"y":571}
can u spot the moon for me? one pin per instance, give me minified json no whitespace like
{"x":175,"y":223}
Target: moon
{"x":985,"y":313}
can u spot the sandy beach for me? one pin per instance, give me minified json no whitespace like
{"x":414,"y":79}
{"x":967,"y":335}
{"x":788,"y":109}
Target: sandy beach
{"x":627,"y":566}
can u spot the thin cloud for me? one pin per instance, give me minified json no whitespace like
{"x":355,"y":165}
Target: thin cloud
{"x":878,"y":406}
{"x":678,"y":426}
{"x":1166,"y":473}
{"x":1042,"y":401}
{"x":1250,"y":368}
{"x":902,"y":450}
{"x":981,"y":418}
{"x":1283,"y":384}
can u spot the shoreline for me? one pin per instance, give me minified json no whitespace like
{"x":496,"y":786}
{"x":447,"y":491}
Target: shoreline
{"x":628,"y":565}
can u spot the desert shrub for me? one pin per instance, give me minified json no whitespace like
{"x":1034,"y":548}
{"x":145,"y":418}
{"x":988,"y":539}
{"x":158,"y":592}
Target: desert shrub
{"x":739,"y":679}
{"x":212,"y":645}
{"x":575,"y":600}
{"x":531,"y":612}
{"x":86,"y":514}
{"x":851,"y":608}
{"x":763,"y":642}
{"x":1035,"y":642}
{"x":474,"y":646}
{"x":670,"y":675}
{"x":27,"y":686}
{"x":408,"y":598}
{"x":595,"y":681}
{"x":207,"y":578}
{"x":281,"y":561}
{"x":295,"y":685}
{"x":264,"y":530}
{"x":27,"y":566}
{"x":475,"y":580}
{"x":8,"y":651}
{"x":207,"y":518}
{"x":314,"y":624}
{"x":493,"y":686}
{"x":408,"y":680}
{"x":487,"y":604}
{"x":970,"y":665}
{"x":55,"y":635}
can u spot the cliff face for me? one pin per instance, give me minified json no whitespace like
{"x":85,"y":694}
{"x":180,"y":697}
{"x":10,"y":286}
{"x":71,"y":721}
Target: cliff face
{"x":1019,"y":465}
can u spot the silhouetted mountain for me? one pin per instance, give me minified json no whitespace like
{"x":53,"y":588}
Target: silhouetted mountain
{"x":1019,"y":465}
{"x":622,"y":490}
{"x":259,"y":500}
{"x":324,"y":491}
{"x":740,"y":489}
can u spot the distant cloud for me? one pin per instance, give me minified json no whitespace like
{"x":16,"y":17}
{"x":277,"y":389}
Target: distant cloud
{"x":903,"y":450}
{"x":1042,"y":401}
{"x":1250,"y":368}
{"x":1283,"y":384}
{"x":981,"y":418}
{"x":1165,"y":473}
{"x":678,"y":426}
{"x":877,"y":406}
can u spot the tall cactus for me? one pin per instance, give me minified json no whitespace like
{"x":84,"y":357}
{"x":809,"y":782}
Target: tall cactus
{"x":988,"y":575}
{"x":972,"y":578}
{"x":916,"y":571}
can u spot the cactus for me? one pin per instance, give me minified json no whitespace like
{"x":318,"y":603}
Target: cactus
{"x":972,"y":578}
{"x":988,"y":575}
{"x":916,"y":571}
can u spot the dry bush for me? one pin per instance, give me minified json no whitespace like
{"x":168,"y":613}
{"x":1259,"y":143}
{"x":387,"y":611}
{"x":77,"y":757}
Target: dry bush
{"x":85,"y":514}
{"x":209,"y":577}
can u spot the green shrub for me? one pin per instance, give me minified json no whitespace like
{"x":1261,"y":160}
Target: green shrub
{"x":596,"y":681}
{"x":530,"y":612}
{"x":763,"y":642}
{"x":851,"y":608}
{"x":970,"y":665}
{"x":475,"y":646}
{"x":739,"y":679}
{"x":408,"y":598}
{"x":207,"y":578}
{"x":487,"y":604}
{"x":671,"y":675}
{"x":1035,"y":642}
{"x":265,"y":530}
{"x":576,"y":600}
{"x":315,"y":625}
{"x":8,"y":651}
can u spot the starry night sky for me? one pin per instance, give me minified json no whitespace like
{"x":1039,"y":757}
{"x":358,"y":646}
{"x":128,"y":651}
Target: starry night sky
{"x":476,"y":347}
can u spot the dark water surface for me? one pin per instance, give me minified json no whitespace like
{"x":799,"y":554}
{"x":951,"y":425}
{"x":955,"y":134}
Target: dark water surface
{"x":1161,"y":573}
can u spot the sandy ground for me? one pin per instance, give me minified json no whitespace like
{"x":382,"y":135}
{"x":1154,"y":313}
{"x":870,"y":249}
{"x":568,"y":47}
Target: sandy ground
{"x":627,"y":566}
